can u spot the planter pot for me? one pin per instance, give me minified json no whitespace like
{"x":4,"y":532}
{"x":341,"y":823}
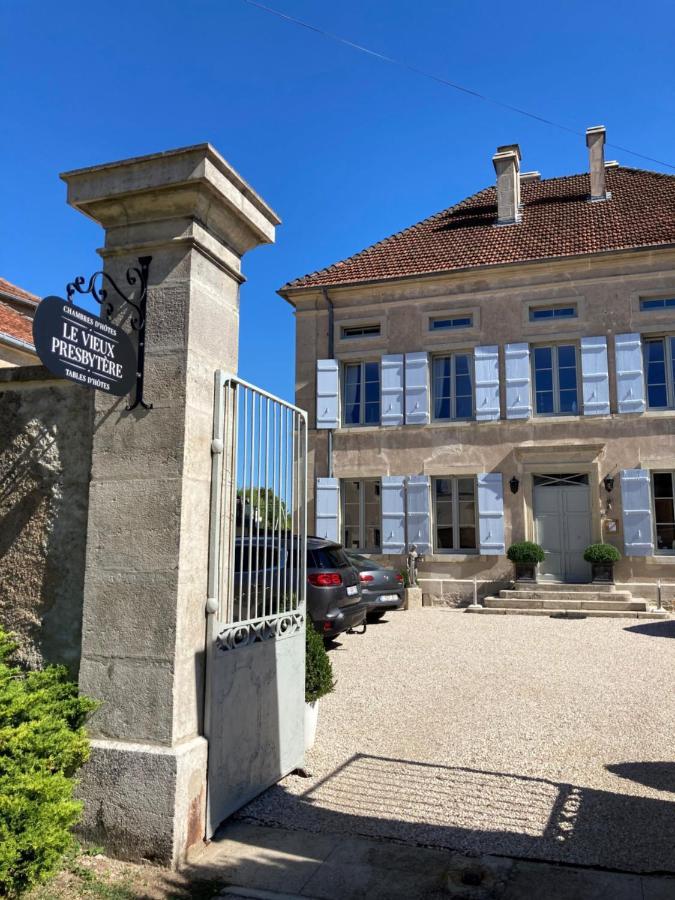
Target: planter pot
{"x":603,"y":573}
{"x":526,"y":571}
{"x":311,"y":719}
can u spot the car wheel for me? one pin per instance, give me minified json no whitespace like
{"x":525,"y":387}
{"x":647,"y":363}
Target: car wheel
{"x":375,"y":615}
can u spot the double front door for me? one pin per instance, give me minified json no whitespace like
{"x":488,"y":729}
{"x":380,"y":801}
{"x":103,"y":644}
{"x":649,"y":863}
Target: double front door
{"x":562,"y":525}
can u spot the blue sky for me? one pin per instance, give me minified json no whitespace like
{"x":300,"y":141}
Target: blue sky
{"x":346,"y":148}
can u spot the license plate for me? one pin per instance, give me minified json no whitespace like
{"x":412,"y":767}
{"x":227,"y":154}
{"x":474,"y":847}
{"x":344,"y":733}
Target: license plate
{"x":389,"y":597}
{"x":351,"y":590}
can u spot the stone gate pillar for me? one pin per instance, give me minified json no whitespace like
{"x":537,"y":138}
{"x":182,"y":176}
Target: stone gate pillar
{"x":143,"y":642}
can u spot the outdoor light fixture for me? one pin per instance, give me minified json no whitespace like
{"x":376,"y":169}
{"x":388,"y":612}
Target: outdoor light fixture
{"x":609,"y":483}
{"x":514,"y":484}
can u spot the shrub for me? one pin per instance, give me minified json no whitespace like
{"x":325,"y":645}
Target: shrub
{"x":525,"y":552}
{"x":605,"y":554}
{"x":318,"y":668}
{"x":42,"y":744}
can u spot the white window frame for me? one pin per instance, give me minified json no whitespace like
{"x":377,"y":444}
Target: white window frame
{"x":343,"y":396}
{"x":554,"y":345}
{"x":652,"y":473}
{"x":453,"y":397}
{"x":454,"y":480}
{"x":668,"y":362}
{"x":362,"y":513}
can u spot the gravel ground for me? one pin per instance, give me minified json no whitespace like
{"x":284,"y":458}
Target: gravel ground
{"x":517,"y":735}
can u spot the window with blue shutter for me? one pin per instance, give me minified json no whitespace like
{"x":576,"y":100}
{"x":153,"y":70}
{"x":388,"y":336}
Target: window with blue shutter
{"x":327,"y":505}
{"x":327,"y":393}
{"x":418,"y":512}
{"x":638,"y":539}
{"x":491,"y":513}
{"x":392,"y":497}
{"x":517,"y":362}
{"x":416,"y":389}
{"x":595,"y":376}
{"x":392,"y":389}
{"x":629,"y":373}
{"x":486,"y":373}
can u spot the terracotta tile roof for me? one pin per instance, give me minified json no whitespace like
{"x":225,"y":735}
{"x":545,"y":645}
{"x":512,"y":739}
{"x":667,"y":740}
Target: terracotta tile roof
{"x":557,"y":221}
{"x":11,"y":290}
{"x":14,"y":324}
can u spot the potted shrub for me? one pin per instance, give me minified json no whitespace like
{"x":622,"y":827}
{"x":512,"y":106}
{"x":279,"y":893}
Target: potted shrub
{"x":602,"y":558}
{"x":318,"y":681}
{"x":525,"y":555}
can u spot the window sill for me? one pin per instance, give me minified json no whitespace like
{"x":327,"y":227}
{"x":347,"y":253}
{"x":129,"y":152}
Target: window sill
{"x":450,"y":556}
{"x":658,"y":558}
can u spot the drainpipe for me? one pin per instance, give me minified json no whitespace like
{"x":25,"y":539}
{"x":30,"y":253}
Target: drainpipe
{"x":331,"y":351}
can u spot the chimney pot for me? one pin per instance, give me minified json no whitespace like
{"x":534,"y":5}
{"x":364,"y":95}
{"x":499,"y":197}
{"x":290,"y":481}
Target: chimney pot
{"x":595,"y":141}
{"x":507,"y":166}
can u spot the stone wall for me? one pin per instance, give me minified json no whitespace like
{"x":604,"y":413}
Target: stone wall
{"x":45,"y":461}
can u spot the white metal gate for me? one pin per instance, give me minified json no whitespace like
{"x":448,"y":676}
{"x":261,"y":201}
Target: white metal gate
{"x":255,"y":667}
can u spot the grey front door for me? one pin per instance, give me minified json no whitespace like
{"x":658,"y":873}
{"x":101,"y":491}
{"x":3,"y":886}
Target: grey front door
{"x":562,"y":525}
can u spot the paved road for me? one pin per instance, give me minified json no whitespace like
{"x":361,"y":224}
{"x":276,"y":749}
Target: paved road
{"x":520,"y":736}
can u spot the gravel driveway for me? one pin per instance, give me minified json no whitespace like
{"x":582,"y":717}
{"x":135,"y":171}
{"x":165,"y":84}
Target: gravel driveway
{"x":517,"y":735}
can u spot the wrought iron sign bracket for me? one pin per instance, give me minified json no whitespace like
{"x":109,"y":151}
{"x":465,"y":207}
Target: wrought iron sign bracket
{"x":135,"y":275}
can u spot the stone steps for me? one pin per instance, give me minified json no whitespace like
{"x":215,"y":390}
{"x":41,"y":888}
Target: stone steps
{"x":554,"y":586}
{"x":564,"y":602}
{"x":568,"y":596}
{"x":590,"y":613}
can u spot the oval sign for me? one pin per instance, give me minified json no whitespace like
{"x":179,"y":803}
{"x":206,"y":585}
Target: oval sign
{"x":77,"y":345}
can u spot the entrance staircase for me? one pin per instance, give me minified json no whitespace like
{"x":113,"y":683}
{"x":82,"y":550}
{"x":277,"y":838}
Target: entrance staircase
{"x":575,"y":600}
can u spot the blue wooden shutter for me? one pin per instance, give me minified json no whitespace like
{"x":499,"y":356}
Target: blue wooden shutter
{"x":416,"y":389}
{"x":327,"y":506}
{"x":486,"y":371}
{"x":636,"y":503}
{"x":393,"y":513}
{"x":630,"y":381}
{"x":327,"y":393}
{"x":491,"y":513}
{"x":419,"y":518}
{"x":392,"y":390}
{"x":595,"y":376}
{"x":518,"y":399}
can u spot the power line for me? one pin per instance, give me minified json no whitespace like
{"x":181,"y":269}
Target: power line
{"x":444,"y":81}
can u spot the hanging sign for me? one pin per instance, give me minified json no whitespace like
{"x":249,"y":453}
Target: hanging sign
{"x":77,"y":345}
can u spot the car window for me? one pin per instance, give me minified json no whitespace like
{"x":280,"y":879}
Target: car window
{"x":327,"y":558}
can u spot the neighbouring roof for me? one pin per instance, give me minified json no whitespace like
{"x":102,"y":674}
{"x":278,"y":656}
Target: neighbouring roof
{"x":11,"y":291}
{"x":557,"y":221}
{"x":14,"y":324}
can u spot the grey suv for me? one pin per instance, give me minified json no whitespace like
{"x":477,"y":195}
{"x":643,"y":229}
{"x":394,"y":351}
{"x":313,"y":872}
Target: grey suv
{"x":334,"y":601}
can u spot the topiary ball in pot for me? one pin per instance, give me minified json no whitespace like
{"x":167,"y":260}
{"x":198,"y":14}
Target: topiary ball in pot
{"x":602,"y":558}
{"x":318,"y":681}
{"x":525,"y":555}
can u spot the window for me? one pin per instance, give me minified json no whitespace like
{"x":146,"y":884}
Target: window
{"x":362,"y":393}
{"x":660,"y":303}
{"x":454,"y":514}
{"x":441,"y":324}
{"x":541,"y":313}
{"x":360,"y":331}
{"x":555,"y":380}
{"x":361,"y":514}
{"x":659,"y":361}
{"x":664,"y":511}
{"x":452,"y":386}
{"x":327,"y":558}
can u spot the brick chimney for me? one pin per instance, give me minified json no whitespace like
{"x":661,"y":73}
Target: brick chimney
{"x":595,"y":141}
{"x":507,"y":166}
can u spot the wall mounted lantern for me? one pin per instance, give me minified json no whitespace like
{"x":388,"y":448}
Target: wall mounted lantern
{"x":514,"y":484}
{"x":608,"y":481}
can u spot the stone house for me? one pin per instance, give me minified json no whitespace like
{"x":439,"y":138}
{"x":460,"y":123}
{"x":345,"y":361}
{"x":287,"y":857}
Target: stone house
{"x":17,"y":308}
{"x":503,"y":370}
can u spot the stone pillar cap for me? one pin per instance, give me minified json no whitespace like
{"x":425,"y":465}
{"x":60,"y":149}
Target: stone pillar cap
{"x":187,"y":183}
{"x":592,"y":134}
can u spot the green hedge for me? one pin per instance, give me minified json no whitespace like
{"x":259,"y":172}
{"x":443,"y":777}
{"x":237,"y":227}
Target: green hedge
{"x":605,"y":554}
{"x":42,"y":744}
{"x":525,"y":552}
{"x":318,"y":668}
